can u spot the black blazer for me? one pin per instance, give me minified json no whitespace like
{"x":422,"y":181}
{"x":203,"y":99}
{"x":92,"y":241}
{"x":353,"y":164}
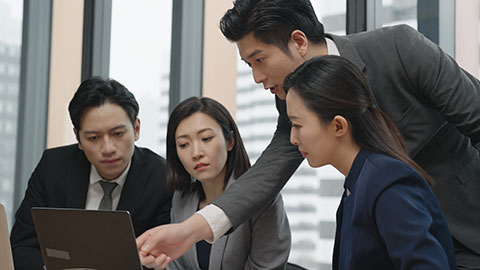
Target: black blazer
{"x":432,"y":100}
{"x":61,"y":180}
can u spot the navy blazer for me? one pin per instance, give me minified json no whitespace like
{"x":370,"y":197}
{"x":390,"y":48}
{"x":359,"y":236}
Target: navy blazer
{"x":391,"y":219}
{"x":61,"y":180}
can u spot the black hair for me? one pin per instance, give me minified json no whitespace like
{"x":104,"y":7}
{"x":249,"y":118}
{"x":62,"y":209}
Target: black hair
{"x":237,"y":159}
{"x":332,"y":85}
{"x":96,"y":91}
{"x":272,"y":21}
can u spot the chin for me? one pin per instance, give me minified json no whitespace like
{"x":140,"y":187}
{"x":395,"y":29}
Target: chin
{"x":313,"y":164}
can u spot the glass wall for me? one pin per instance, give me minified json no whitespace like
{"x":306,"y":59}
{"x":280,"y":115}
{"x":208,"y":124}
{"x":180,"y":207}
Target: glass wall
{"x":311,"y":196}
{"x":140,"y":60}
{"x":399,"y":12}
{"x":11,"y":13}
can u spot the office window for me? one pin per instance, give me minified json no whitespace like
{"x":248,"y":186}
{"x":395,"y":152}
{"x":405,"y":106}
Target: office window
{"x":140,"y":60}
{"x":311,"y":196}
{"x":11,"y":14}
{"x":399,"y":12}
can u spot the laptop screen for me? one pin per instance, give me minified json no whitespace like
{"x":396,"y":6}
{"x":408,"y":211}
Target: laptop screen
{"x":79,"y":238}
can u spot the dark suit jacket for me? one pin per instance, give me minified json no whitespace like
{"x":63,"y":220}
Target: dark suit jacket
{"x":390,"y":220}
{"x":435,"y":104}
{"x":61,"y":180}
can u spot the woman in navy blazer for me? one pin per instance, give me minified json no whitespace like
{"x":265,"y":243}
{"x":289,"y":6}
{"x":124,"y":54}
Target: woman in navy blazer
{"x":388,"y":217}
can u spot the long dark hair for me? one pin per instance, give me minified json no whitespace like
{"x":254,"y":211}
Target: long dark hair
{"x":332,"y":85}
{"x":237,"y":158}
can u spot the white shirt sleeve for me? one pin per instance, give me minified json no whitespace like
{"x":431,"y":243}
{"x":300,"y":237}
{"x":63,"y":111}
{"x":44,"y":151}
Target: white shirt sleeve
{"x":217,"y":220}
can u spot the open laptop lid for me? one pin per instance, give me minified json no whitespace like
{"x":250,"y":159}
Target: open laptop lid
{"x":6,"y":261}
{"x":91,"y":239}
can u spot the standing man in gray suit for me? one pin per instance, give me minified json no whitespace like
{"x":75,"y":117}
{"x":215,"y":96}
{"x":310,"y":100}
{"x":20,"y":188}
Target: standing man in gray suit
{"x":433,"y":101}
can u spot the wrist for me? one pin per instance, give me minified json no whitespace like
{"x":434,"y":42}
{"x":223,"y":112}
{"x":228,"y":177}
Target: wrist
{"x":197,"y":228}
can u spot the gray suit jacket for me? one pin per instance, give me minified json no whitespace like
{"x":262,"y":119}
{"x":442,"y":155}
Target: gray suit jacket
{"x":261,"y":243}
{"x":436,"y":105}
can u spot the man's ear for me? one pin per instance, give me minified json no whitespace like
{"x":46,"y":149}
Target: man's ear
{"x":300,"y":41}
{"x":231,"y":143}
{"x":341,"y":125}
{"x":77,"y":136}
{"x":136,"y":129}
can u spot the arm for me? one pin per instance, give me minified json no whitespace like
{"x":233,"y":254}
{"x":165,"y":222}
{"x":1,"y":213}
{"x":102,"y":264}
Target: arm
{"x":414,"y":238}
{"x":25,"y":248}
{"x":271,"y":238}
{"x":258,"y":186}
{"x":440,"y":82}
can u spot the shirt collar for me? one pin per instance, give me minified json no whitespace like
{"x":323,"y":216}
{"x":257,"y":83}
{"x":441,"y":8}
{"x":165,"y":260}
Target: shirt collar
{"x":95,"y":176}
{"x":332,"y":47}
{"x":355,"y":169}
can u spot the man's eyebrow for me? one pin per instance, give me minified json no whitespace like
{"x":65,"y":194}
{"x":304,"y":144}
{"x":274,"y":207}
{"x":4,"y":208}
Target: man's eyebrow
{"x":252,"y":54}
{"x":94,"y":132}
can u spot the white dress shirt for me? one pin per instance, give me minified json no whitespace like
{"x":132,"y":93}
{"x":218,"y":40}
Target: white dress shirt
{"x":217,"y":219}
{"x":95,"y":191}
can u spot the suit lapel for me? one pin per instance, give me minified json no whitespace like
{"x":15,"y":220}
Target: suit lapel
{"x":217,"y":252}
{"x":135,"y":183}
{"x":348,"y":51}
{"x":78,"y":180}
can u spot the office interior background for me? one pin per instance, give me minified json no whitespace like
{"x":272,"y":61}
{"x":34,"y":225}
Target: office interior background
{"x":165,"y":51}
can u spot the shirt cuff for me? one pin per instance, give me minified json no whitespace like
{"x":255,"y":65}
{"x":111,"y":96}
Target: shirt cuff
{"x":217,"y":220}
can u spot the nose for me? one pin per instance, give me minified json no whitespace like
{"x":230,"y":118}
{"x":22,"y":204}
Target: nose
{"x":108,"y":146}
{"x":258,"y":75}
{"x":197,"y":151}
{"x":293,"y":137}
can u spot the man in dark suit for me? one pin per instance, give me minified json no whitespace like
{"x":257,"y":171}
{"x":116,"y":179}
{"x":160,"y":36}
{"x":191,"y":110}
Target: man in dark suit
{"x":433,"y":101}
{"x":105,"y":170}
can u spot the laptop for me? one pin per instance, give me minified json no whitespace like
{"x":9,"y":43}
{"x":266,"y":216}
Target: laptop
{"x":86,"y":239}
{"x":6,"y":261}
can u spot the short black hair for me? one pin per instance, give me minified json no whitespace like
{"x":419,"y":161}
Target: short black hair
{"x":272,"y":21}
{"x":237,"y":159}
{"x":97,"y":91}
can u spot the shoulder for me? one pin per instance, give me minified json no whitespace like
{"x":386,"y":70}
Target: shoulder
{"x":148,"y":159}
{"x":386,"y":170}
{"x":63,"y":153}
{"x":386,"y":35}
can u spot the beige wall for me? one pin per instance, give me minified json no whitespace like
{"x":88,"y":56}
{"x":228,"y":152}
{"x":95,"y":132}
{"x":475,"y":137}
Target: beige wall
{"x":467,"y":51}
{"x":65,"y":68}
{"x":219,"y":58}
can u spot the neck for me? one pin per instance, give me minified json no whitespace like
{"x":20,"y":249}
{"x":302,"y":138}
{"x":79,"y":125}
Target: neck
{"x":316,"y":49}
{"x":213,"y":188}
{"x":345,"y":158}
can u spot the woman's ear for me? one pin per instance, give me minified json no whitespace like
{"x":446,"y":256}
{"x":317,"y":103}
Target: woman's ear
{"x":300,"y":41}
{"x":341,"y":125}
{"x":231,"y":143}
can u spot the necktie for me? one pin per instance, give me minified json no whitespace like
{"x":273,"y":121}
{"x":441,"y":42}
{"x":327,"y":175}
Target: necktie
{"x":106,"y":203}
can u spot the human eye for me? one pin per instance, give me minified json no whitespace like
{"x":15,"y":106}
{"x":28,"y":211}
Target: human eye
{"x":118,"y":133}
{"x":295,"y":125}
{"x":259,"y":60}
{"x":207,"y":139}
{"x":92,"y":138}
{"x":182,"y":145}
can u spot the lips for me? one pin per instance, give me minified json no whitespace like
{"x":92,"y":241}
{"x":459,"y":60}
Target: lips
{"x":304,"y":154}
{"x":200,"y":166}
{"x":110,"y":161}
{"x":273,"y":90}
